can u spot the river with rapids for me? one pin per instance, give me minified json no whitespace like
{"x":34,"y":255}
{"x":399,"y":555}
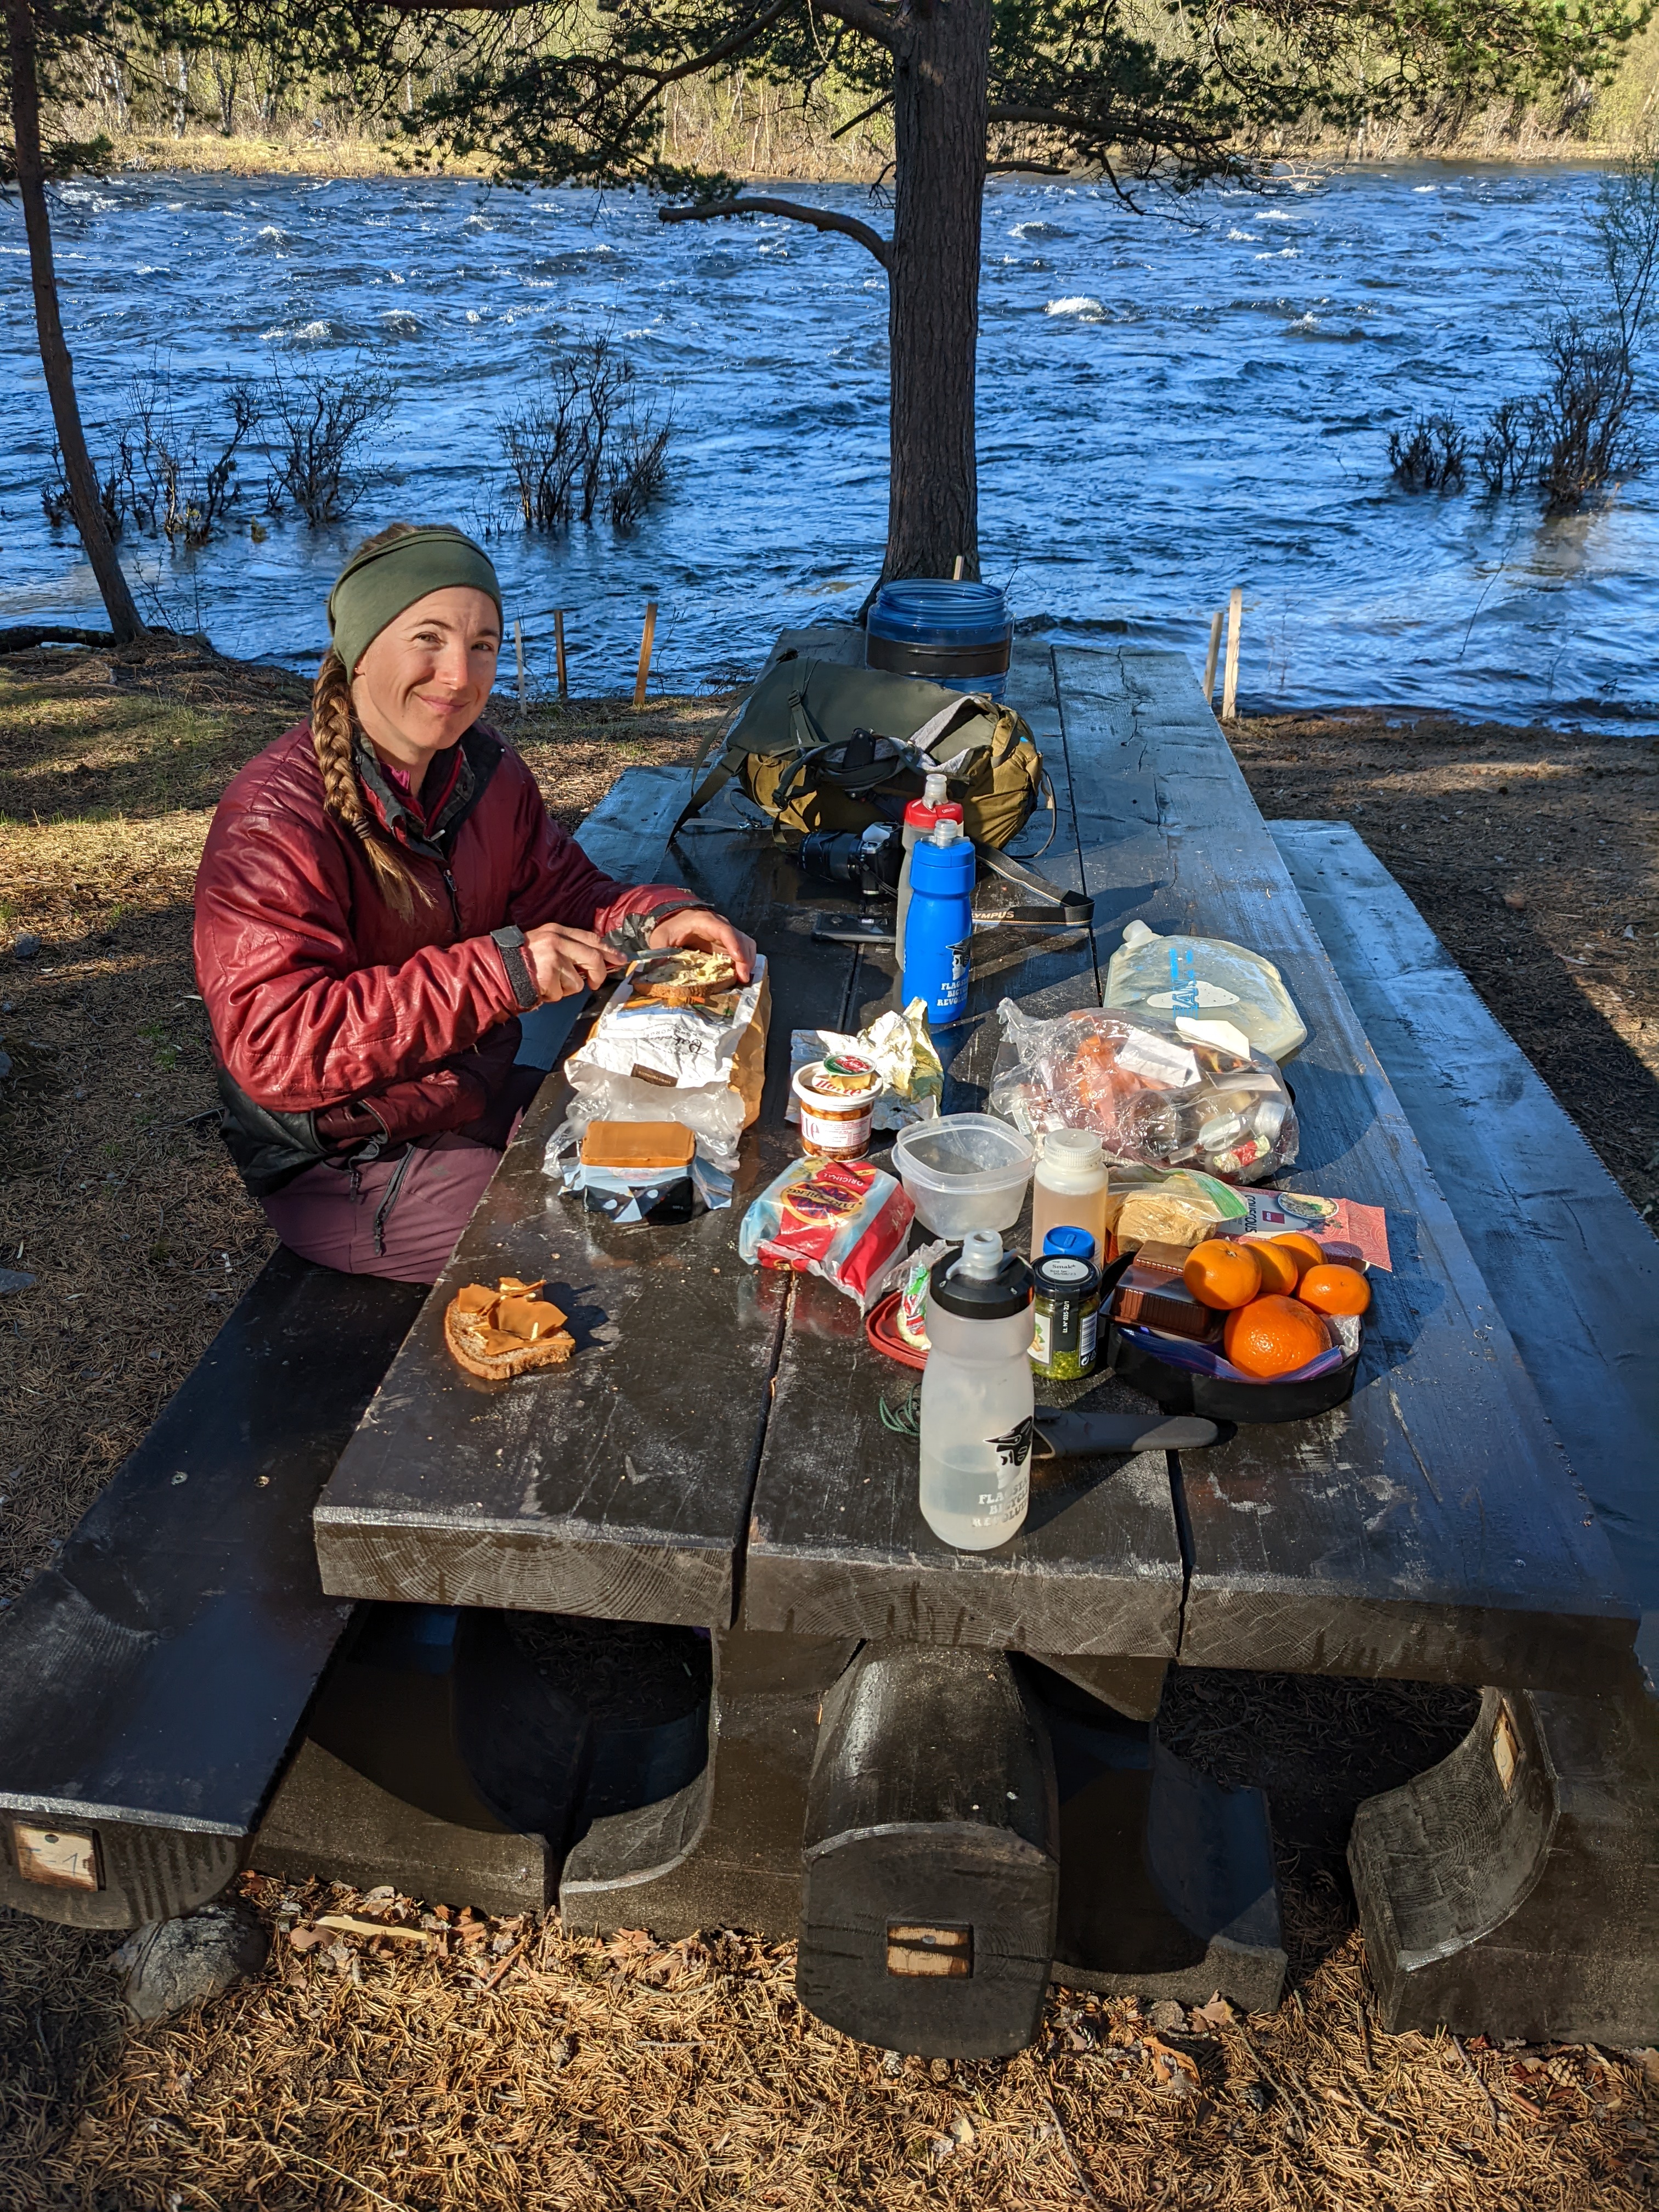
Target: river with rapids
{"x":1170,"y":404}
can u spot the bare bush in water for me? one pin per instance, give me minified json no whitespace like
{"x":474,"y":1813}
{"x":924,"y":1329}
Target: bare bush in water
{"x":320,"y":423}
{"x":1429,"y":455}
{"x":171,"y":470}
{"x":578,"y":439}
{"x":638,"y":468}
{"x":1509,"y":445}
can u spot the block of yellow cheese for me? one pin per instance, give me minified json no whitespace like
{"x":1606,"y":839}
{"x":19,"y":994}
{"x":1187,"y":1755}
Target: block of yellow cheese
{"x":637,"y":1145}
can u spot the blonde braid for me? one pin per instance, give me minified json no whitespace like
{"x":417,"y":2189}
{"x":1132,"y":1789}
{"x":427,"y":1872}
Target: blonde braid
{"x":332,"y":736}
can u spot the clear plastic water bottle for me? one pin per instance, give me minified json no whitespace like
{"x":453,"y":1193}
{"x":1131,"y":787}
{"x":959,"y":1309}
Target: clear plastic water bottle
{"x":977,"y":1402}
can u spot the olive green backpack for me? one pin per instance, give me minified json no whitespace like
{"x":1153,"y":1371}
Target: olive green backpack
{"x":819,"y":745}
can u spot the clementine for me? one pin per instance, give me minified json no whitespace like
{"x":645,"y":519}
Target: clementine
{"x":1221,"y":1274}
{"x":1279,"y":1269}
{"x":1306,"y":1251}
{"x":1334,"y":1290}
{"x":1273,"y":1336}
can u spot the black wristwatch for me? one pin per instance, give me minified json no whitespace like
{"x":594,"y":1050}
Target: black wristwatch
{"x":516,"y":961}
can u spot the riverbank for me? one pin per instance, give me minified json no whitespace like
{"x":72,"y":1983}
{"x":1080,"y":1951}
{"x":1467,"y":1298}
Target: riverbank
{"x":572,"y":2072}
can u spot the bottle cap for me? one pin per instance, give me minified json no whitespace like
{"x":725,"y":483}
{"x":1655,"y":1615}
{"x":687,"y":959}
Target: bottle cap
{"x":945,"y":831}
{"x":1068,"y":1243}
{"x":1059,"y":1275}
{"x":983,"y":1282}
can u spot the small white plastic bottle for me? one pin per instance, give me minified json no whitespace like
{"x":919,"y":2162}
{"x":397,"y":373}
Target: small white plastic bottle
{"x":1069,"y":1189}
{"x":977,"y":1402}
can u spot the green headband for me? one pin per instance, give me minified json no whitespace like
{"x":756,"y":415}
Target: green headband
{"x":378,"y":583}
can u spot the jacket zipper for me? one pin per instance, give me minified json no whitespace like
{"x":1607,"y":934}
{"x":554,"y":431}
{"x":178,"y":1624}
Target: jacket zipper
{"x":449,"y":886}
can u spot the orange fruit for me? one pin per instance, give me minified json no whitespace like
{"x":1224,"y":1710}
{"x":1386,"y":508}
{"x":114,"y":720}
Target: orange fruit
{"x":1280,"y":1270}
{"x":1306,"y":1251}
{"x":1221,"y":1274}
{"x":1273,"y":1336}
{"x":1334,"y":1289}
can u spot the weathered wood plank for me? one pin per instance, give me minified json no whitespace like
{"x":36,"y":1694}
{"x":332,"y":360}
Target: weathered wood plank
{"x":1573,"y":1268}
{"x":618,"y":1486}
{"x":1432,"y":1527}
{"x":837,"y":1544}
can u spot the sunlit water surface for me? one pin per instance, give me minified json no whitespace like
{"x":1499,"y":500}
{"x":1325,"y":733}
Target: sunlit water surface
{"x":1167,"y":407}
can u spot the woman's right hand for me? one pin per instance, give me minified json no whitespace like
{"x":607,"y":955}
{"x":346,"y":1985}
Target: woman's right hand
{"x":566,"y":962}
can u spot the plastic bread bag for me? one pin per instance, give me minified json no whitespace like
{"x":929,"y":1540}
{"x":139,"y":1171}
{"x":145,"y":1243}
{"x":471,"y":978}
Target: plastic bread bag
{"x":900,"y":1046}
{"x":842,"y":1219}
{"x":1210,"y":978}
{"x":700,"y":1066}
{"x":1186,"y":1093}
{"x":715,"y":1113}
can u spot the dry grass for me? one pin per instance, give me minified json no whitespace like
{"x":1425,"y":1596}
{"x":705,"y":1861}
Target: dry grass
{"x":1534,"y":857}
{"x":508,"y":2064}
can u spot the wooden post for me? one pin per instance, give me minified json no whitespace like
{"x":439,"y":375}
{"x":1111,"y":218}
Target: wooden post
{"x":1230,"y":682}
{"x":518,"y":650}
{"x":558,"y":651}
{"x":1211,"y":656}
{"x":955,"y":573}
{"x":645,"y":651}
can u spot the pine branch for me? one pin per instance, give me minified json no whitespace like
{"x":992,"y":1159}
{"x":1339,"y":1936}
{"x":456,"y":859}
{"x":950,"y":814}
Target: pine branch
{"x":794,"y":210}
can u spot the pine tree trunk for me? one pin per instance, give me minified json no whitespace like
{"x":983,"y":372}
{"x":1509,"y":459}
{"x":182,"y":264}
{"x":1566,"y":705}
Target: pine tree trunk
{"x":54,"y":353}
{"x":933,"y":317}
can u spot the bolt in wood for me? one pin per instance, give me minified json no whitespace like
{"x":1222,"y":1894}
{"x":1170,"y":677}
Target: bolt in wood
{"x":645,"y":651}
{"x":1230,"y":682}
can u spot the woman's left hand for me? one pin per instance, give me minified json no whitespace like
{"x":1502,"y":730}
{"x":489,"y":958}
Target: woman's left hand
{"x":707,"y":933}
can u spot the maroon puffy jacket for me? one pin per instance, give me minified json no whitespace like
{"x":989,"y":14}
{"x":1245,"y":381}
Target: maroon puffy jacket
{"x":322,"y":997}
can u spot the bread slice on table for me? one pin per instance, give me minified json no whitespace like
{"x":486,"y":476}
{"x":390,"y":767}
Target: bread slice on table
{"x":686,"y":979}
{"x":506,"y":1330}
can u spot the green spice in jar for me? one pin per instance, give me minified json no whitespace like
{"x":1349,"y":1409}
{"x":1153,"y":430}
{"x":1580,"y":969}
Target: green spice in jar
{"x":1066,"y":1314}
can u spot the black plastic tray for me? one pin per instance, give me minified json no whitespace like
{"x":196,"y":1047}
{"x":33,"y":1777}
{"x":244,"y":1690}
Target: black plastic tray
{"x":1179,"y":1391}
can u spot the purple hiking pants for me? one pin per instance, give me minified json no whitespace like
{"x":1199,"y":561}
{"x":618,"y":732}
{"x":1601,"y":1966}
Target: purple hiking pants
{"x":437,"y":1184}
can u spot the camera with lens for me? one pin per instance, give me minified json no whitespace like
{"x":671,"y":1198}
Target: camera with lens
{"x":868,"y":863}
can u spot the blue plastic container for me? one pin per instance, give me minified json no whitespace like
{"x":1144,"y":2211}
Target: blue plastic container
{"x":939,"y":927}
{"x":957,"y":635}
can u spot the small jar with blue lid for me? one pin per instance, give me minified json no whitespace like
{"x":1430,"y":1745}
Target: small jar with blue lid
{"x":1066,"y":1307}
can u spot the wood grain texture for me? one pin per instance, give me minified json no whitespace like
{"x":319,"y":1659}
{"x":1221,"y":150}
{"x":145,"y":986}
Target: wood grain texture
{"x":1573,"y":1268}
{"x":618,"y":1485}
{"x":1432,"y":1527}
{"x":837,"y":1544}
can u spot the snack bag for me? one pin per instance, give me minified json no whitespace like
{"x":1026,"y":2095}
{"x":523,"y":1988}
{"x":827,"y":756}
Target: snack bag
{"x":1185,"y":1093}
{"x":842,"y":1219}
{"x":703,"y":1066}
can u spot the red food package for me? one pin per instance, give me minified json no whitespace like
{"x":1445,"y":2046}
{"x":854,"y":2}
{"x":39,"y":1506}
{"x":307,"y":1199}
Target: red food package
{"x":842,"y":1219}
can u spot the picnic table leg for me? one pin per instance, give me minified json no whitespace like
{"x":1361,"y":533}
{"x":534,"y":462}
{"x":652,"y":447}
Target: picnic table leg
{"x":1513,"y":1890}
{"x":436,"y":1758}
{"x":724,"y":1850}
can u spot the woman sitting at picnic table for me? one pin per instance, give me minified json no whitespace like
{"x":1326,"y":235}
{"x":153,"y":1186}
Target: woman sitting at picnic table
{"x":382,"y":894}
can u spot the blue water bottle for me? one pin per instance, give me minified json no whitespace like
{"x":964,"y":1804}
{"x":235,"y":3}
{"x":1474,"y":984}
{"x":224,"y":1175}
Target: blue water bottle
{"x":939,"y":925}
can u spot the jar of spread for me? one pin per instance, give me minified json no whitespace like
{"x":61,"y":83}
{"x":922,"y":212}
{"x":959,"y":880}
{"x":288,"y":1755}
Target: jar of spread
{"x":837,"y":1099}
{"x":1066,"y":1307}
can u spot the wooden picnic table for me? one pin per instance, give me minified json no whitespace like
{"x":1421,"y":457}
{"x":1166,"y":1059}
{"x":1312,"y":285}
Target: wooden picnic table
{"x":721,"y":1428}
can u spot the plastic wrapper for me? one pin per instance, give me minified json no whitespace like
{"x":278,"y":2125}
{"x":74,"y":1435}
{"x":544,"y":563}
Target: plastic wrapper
{"x":913,"y":1080}
{"x":1158,"y":1205}
{"x":1159,"y":1093}
{"x":702,"y":1067}
{"x":634,"y":1197}
{"x":842,"y":1219}
{"x":1211,"y":979}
